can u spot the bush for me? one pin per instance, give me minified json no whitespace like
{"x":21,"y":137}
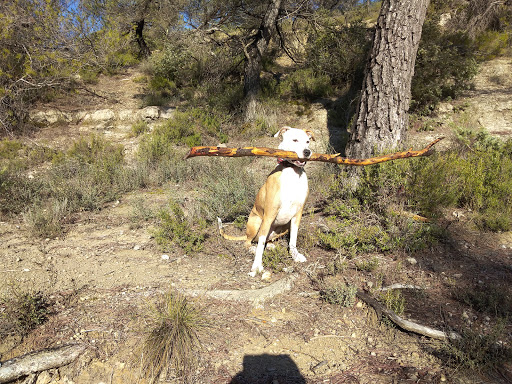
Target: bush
{"x":445,"y":66}
{"x":476,"y":176}
{"x":229,"y":190}
{"x":305,"y":84}
{"x":23,"y":311}
{"x":185,"y":128}
{"x":172,"y":342}
{"x":338,"y":51}
{"x":276,"y":258}
{"x":174,"y":229}
{"x":477,"y":351}
{"x":339,"y":294}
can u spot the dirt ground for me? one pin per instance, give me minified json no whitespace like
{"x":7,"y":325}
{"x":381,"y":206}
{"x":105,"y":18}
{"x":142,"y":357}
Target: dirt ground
{"x":104,"y":273}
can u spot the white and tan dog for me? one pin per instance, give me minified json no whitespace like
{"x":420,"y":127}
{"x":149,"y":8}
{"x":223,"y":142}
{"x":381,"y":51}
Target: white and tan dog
{"x":280,"y":201}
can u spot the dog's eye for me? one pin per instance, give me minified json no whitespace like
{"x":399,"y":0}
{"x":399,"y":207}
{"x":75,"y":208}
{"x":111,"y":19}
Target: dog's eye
{"x":307,"y":142}
{"x":295,"y":140}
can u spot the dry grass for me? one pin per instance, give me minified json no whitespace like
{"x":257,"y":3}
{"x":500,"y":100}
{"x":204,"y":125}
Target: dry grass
{"x":171,"y":344}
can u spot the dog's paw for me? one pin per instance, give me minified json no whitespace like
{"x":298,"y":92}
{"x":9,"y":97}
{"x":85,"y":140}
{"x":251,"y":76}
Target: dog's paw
{"x":297,"y":256}
{"x":255,"y":270}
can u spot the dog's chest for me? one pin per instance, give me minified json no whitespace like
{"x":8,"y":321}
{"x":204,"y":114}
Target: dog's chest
{"x":294,"y":191}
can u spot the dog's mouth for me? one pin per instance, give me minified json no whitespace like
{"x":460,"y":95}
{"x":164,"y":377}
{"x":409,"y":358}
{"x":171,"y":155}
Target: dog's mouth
{"x":299,"y":163}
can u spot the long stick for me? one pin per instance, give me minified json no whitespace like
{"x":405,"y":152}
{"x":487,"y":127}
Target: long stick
{"x":326,"y":158}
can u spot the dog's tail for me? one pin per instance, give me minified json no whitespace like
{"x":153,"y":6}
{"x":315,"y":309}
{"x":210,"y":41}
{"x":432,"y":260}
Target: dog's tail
{"x":226,"y":236}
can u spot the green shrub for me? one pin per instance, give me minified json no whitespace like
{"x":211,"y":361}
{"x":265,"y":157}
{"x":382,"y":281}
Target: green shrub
{"x":477,"y":351}
{"x":276,"y":258}
{"x":229,"y":190}
{"x":394,"y":301}
{"x":23,"y":311}
{"x":185,"y":128}
{"x":138,"y":128}
{"x":339,"y":294}
{"x":46,"y":219}
{"x":477,"y":176}
{"x":305,"y":84}
{"x":338,"y":51}
{"x":174,"y":229}
{"x":491,"y":44}
{"x":445,"y":66}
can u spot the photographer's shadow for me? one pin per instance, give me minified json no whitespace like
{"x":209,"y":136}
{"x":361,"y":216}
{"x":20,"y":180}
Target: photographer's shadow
{"x":268,"y":369}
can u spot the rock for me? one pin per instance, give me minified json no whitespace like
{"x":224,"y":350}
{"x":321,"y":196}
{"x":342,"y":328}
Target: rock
{"x":101,"y":115}
{"x":150,"y":113}
{"x":50,"y":117}
{"x":412,"y":260}
{"x":165,"y":257}
{"x":166,"y":113}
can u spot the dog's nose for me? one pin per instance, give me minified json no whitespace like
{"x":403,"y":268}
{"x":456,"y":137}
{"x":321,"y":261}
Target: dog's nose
{"x":307,"y":152}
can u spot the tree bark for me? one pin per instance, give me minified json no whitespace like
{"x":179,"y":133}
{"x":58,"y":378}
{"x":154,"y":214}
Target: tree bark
{"x":382,"y":117}
{"x":254,"y":53}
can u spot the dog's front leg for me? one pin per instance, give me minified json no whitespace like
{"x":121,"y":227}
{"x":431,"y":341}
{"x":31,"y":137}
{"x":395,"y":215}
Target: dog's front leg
{"x":264,"y":231}
{"x":294,"y":230}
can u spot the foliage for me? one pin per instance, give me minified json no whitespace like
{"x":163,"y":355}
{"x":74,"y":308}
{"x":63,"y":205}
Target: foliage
{"x":172,"y":341}
{"x":276,"y":258}
{"x":138,"y":128}
{"x":23,"y":311}
{"x":477,"y":351}
{"x":487,"y":298}
{"x":445,"y":66}
{"x":305,"y":84}
{"x":337,"y":50}
{"x":477,"y":175}
{"x":185,"y":128}
{"x":339,"y":294}
{"x":175,"y":229}
{"x":229,"y":190}
{"x":394,"y":301}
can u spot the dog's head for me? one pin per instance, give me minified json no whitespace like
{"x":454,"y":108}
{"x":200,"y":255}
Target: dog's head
{"x":296,"y":140}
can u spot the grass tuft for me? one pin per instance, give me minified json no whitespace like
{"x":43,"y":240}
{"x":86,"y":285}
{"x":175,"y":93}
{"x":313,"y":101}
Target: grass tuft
{"x":171,"y":344}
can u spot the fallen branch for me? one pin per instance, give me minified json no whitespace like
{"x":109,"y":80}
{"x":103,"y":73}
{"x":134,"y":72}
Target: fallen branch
{"x":289,"y":155}
{"x":39,"y":361}
{"x":256,"y":296}
{"x":405,"y":324}
{"x":400,"y":286}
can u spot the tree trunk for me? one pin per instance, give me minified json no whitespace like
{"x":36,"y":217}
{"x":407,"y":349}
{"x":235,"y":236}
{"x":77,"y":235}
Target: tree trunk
{"x":382,"y":117}
{"x":144,"y":51}
{"x":254,"y":53}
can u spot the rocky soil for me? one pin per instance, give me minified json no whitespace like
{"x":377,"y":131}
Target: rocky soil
{"x":105,"y":272}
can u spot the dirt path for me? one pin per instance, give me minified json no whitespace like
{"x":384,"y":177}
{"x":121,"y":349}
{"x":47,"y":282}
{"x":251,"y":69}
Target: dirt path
{"x":105,"y":271}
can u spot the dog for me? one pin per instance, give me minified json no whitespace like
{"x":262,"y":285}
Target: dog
{"x":280,"y":201}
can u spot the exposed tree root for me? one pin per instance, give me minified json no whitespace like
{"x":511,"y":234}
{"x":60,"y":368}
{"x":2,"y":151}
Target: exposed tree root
{"x":255,"y":296}
{"x":405,"y":324}
{"x":39,"y":361}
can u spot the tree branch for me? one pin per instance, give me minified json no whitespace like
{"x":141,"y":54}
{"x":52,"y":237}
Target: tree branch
{"x":39,"y":361}
{"x":405,"y":324}
{"x":326,"y":158}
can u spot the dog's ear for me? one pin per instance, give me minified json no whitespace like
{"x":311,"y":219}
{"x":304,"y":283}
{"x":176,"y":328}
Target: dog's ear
{"x":282,"y":131}
{"x":310,"y":133}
